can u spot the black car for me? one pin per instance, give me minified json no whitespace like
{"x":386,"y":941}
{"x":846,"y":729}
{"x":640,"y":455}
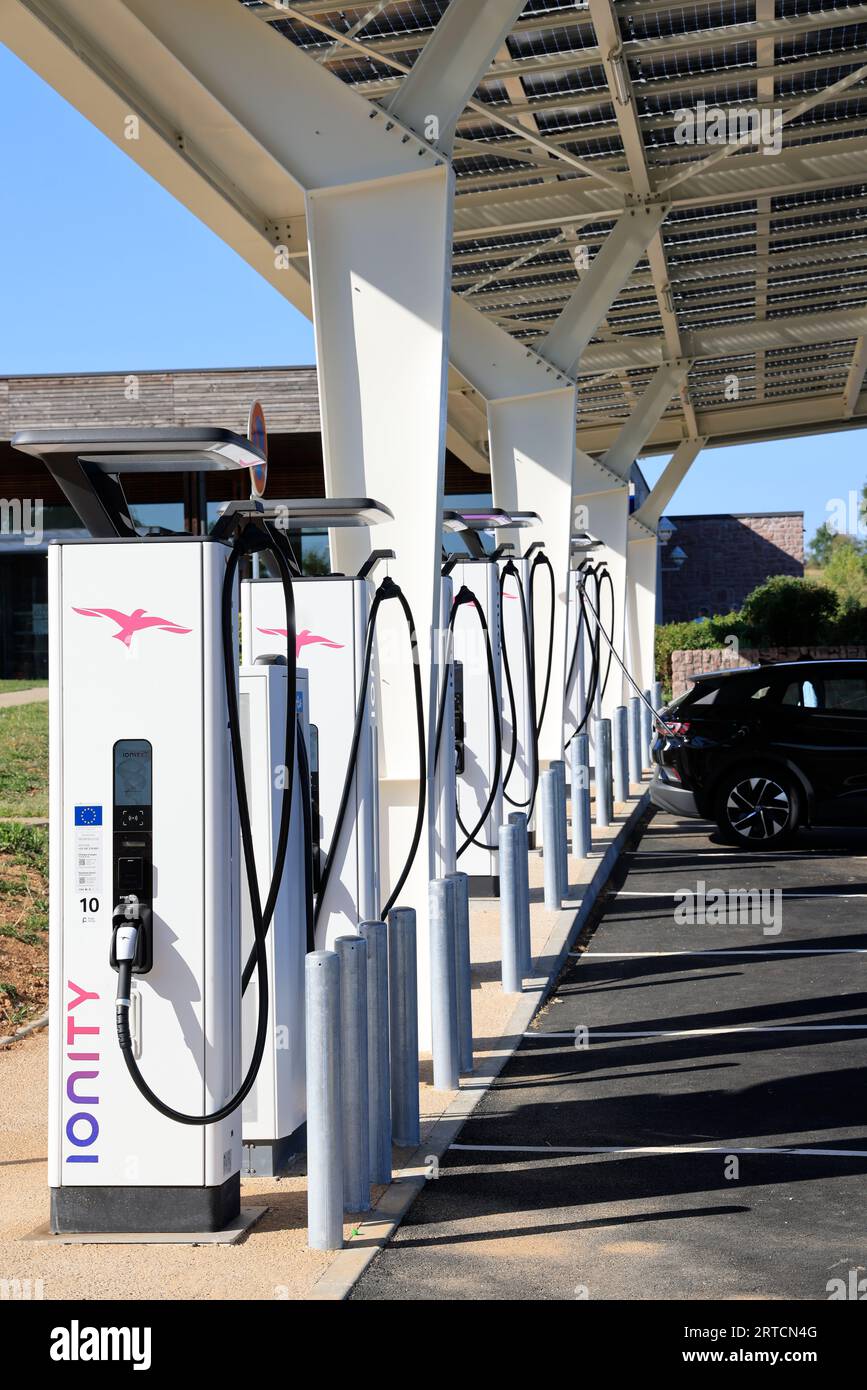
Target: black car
{"x":765,"y":749}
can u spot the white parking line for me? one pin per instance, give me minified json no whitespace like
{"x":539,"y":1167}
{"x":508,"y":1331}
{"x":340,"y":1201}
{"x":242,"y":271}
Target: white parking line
{"x":711,"y":1032}
{"x":650,"y":1149}
{"x":784,"y":892}
{"x":745,"y":951}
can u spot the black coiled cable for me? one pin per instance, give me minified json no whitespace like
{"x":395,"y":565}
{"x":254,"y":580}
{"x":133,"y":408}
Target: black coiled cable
{"x":256,"y":536}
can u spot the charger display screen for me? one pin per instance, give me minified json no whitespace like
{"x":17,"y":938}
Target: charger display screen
{"x":132,"y":772}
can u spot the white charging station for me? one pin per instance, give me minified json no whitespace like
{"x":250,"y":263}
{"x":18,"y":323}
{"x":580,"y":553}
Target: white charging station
{"x":143,"y":814}
{"x":274,"y":1112}
{"x":331,"y":616}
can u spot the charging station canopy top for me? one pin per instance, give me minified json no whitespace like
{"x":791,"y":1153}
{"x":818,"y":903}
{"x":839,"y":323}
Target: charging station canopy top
{"x":487,"y":519}
{"x":195,"y":449}
{"x":337,"y":512}
{"x":86,"y":464}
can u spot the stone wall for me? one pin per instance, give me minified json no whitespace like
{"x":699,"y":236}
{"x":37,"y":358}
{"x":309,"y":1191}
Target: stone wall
{"x":727,"y":556}
{"x":694,"y":663}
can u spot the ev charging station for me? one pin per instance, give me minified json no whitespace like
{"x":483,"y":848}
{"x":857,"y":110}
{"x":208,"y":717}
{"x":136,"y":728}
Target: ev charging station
{"x":579,"y":638}
{"x":478,"y":693}
{"x":520,"y":717}
{"x":145,"y":865}
{"x":331,"y":619}
{"x":274,"y":1113}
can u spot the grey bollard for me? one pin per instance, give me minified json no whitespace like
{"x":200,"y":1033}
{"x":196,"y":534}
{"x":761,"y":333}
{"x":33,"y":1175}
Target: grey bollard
{"x":463,"y":967}
{"x":620,"y":754}
{"x":604,"y":797}
{"x":562,"y":841}
{"x":352,"y":951}
{"x":511,"y":947}
{"x":519,"y":819}
{"x":403,"y":1027}
{"x":324,"y":1129}
{"x":635,"y":760}
{"x":378,"y":1067}
{"x":580,"y":768}
{"x":443,"y":985}
{"x":657,"y":700}
{"x":646,"y":729}
{"x":549,"y":792}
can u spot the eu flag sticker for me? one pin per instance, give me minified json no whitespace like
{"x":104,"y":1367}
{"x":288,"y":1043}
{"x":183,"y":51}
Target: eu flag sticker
{"x":88,"y":815}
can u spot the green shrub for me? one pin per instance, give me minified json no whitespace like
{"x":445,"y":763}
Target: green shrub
{"x":789,"y":612}
{"x":687,"y":637}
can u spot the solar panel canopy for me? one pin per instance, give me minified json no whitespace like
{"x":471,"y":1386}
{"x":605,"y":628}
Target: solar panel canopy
{"x":746,"y":118}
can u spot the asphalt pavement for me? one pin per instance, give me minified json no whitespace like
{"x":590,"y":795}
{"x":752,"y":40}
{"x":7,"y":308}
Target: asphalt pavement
{"x":687,"y":1117}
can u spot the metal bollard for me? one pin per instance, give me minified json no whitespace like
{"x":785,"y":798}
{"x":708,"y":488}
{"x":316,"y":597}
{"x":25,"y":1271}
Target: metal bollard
{"x":443,"y":985}
{"x":519,"y":819}
{"x":634,"y":739}
{"x":403,"y":1027}
{"x":620,"y":754}
{"x":562,"y":842}
{"x":580,"y":769}
{"x":646,"y":729}
{"x":604,"y":796}
{"x":352,"y":951}
{"x":549,"y":792}
{"x":463,"y":967}
{"x":378,"y":1069}
{"x":657,"y":701}
{"x":324,"y":1130}
{"x":509,"y":842}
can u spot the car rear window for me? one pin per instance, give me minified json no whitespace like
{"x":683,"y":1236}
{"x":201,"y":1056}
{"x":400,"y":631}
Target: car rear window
{"x":731,"y":690}
{"x":846,"y":693}
{"x":834,"y":694}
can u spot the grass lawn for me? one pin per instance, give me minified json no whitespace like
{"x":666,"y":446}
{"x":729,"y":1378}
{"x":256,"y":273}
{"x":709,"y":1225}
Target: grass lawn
{"x":24,"y":760}
{"x":7,"y":686}
{"x":23,"y":924}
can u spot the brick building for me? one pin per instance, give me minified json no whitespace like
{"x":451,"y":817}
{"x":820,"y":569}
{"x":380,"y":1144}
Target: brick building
{"x":726,"y":556}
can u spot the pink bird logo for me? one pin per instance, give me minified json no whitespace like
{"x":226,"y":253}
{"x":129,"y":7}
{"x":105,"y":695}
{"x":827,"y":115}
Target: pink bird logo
{"x":130,"y":623}
{"x":304,"y":638}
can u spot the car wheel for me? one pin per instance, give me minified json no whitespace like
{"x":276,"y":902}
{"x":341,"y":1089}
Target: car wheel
{"x":758,"y":808}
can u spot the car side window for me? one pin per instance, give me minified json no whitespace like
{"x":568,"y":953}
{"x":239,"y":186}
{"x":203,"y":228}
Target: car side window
{"x":800,"y":694}
{"x":846,"y":695}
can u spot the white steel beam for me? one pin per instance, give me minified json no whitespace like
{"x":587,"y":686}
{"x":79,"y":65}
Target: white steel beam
{"x":855,"y":378}
{"x":651,"y":509}
{"x":451,"y":65}
{"x":646,"y":415}
{"x":609,"y":272}
{"x":727,"y":340}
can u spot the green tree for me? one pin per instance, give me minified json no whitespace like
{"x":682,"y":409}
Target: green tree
{"x":846,"y":572}
{"x":819,"y":548}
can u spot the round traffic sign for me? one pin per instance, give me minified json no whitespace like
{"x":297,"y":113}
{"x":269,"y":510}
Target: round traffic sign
{"x":258,"y":436}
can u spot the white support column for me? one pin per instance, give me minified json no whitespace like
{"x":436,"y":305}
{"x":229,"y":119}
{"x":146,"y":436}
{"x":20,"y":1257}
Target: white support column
{"x":532,"y":448}
{"x":643,"y":561}
{"x":622,"y":250}
{"x":601,"y":506}
{"x":381,"y":323}
{"x":641,"y":568}
{"x":451,"y":65}
{"x":531,"y":438}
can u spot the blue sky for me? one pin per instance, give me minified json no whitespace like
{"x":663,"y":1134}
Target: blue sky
{"x":101,"y":270}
